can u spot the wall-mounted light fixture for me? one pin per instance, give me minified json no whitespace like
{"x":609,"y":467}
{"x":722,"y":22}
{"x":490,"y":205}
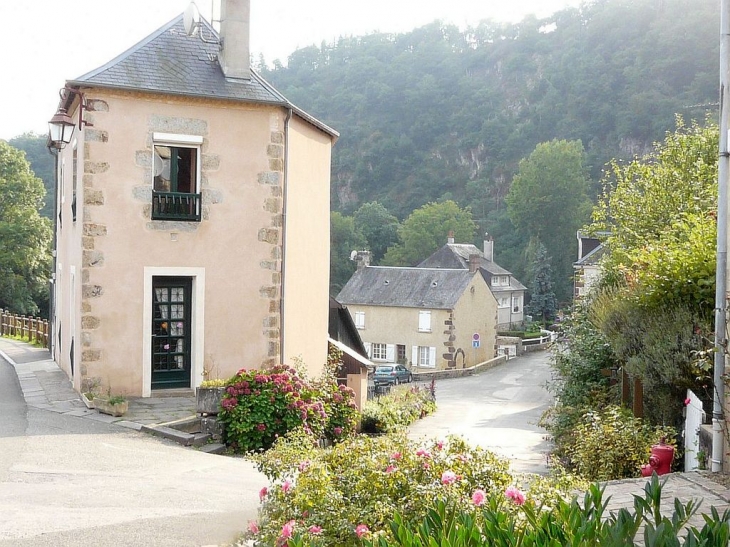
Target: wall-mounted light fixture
{"x":61,"y":126}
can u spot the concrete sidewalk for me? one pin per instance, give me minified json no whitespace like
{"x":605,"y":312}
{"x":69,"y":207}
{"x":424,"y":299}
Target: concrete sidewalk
{"x":47,"y":387}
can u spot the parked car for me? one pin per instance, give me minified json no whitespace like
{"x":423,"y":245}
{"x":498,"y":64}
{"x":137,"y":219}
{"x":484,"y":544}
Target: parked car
{"x":391,"y":375}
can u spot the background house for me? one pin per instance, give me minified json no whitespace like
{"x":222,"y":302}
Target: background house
{"x":587,"y":268}
{"x":193,"y":217}
{"x":508,"y":291}
{"x":424,"y":317}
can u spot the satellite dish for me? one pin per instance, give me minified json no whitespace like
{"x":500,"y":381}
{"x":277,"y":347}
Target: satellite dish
{"x":191,"y":19}
{"x":353,"y":255}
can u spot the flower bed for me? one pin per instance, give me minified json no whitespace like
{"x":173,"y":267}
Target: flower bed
{"x":342,"y":495}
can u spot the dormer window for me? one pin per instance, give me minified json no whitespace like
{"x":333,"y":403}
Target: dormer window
{"x":176,"y":172}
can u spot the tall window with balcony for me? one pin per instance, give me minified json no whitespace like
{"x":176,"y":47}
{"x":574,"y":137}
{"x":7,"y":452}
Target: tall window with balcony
{"x":176,"y":193}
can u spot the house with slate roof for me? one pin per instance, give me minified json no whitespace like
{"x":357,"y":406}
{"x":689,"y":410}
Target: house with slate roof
{"x":424,"y":317}
{"x":508,"y":291}
{"x":588,"y":266}
{"x":193,"y":217}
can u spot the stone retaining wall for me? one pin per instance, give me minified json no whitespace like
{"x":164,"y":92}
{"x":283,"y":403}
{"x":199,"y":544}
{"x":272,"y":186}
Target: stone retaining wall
{"x":458,"y":373}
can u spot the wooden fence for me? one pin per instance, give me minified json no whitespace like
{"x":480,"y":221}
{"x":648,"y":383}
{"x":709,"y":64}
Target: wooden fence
{"x":30,"y":329}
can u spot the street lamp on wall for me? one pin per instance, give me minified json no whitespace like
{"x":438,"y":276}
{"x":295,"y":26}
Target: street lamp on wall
{"x":60,"y":129}
{"x":61,"y":126}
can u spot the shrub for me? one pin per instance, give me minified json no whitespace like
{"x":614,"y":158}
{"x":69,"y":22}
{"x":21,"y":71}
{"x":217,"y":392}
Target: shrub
{"x":613,"y":444}
{"x":260,"y":406}
{"x":397,"y":409}
{"x":365,"y":481}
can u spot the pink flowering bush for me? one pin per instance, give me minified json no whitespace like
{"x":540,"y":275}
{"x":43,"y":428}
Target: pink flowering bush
{"x":259,"y":406}
{"x":361,"y":482}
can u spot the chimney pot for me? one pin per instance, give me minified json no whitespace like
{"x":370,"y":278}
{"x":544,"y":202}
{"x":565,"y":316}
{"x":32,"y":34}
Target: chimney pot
{"x":362,"y":259}
{"x":488,"y":247}
{"x":450,"y":238}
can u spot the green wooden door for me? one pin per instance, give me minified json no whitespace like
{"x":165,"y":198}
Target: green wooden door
{"x":171,"y":301}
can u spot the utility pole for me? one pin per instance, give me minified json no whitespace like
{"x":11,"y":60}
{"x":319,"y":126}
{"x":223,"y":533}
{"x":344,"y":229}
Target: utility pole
{"x":718,"y":416}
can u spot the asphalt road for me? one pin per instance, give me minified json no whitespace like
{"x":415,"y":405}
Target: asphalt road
{"x":68,"y":481}
{"x":497,"y":410}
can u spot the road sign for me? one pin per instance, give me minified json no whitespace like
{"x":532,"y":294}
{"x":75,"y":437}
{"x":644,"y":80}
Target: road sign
{"x":475,"y":337}
{"x":475,"y":343}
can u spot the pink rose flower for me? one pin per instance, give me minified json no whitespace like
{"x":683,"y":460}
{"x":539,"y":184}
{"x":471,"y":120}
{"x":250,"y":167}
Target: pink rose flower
{"x":287,"y":530}
{"x":426,"y":465}
{"x":361,"y":530}
{"x":478,"y":497}
{"x":337,"y":431}
{"x":253,"y":527}
{"x":395,"y":456}
{"x":390,"y":468}
{"x":315,"y":530}
{"x":515,"y":495}
{"x":262,"y":493}
{"x":440,"y":445}
{"x":304,"y":466}
{"x":424,"y":453}
{"x":286,"y":486}
{"x":448,"y":477}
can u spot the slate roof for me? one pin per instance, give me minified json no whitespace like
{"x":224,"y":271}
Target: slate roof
{"x":592,"y":258}
{"x":456,"y":255}
{"x":405,"y":287}
{"x":171,"y":62}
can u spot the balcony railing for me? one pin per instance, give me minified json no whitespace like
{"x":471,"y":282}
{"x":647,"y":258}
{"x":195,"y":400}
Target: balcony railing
{"x":175,"y":206}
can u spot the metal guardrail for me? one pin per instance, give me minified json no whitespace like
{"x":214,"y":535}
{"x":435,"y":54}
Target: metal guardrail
{"x":31,"y":329}
{"x":175,"y":206}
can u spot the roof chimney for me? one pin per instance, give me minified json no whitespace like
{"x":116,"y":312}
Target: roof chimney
{"x":234,"y":55}
{"x":488,"y":247}
{"x":450,"y":239}
{"x":474,"y":262}
{"x":363,"y":259}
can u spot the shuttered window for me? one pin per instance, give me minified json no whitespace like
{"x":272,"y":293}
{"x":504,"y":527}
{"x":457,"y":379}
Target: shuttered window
{"x":424,"y":321}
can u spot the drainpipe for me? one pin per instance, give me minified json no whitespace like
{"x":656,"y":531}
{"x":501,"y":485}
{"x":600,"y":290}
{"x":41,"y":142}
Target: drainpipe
{"x":284,"y":194}
{"x":53,"y":289}
{"x":718,"y":419}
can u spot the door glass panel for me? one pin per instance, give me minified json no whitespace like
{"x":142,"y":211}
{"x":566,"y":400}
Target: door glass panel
{"x":171,"y":361}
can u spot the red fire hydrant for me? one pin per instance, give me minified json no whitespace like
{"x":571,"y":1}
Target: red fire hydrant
{"x":660,"y":461}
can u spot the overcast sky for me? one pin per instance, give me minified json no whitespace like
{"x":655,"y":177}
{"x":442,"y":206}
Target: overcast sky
{"x":45,"y":42}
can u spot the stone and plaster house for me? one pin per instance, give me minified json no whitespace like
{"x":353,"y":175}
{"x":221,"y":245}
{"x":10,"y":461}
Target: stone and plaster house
{"x":193,"y":217}
{"x":508,"y":291}
{"x":426,"y":317}
{"x":587,"y":268}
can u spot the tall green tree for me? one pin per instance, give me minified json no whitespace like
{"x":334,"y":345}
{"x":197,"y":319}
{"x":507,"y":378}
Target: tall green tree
{"x":549,"y":201}
{"x":649,"y":198}
{"x":25,"y":237}
{"x":42,"y":164}
{"x":543,"y":304}
{"x":379,"y":227}
{"x":344,"y":238}
{"x":427,"y":229}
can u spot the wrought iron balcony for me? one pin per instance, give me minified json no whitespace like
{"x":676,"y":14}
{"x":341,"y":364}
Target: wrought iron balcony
{"x":175,"y":206}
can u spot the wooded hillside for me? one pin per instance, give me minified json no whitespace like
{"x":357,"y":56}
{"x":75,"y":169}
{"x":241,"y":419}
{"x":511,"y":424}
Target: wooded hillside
{"x":441,"y":113}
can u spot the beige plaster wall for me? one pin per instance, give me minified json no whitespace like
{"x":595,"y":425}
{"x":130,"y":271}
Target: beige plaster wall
{"x":451,"y":330}
{"x":476,"y":312}
{"x":306,"y":281}
{"x":237,"y":244}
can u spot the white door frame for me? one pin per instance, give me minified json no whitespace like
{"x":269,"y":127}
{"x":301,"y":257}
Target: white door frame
{"x":197,"y":319}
